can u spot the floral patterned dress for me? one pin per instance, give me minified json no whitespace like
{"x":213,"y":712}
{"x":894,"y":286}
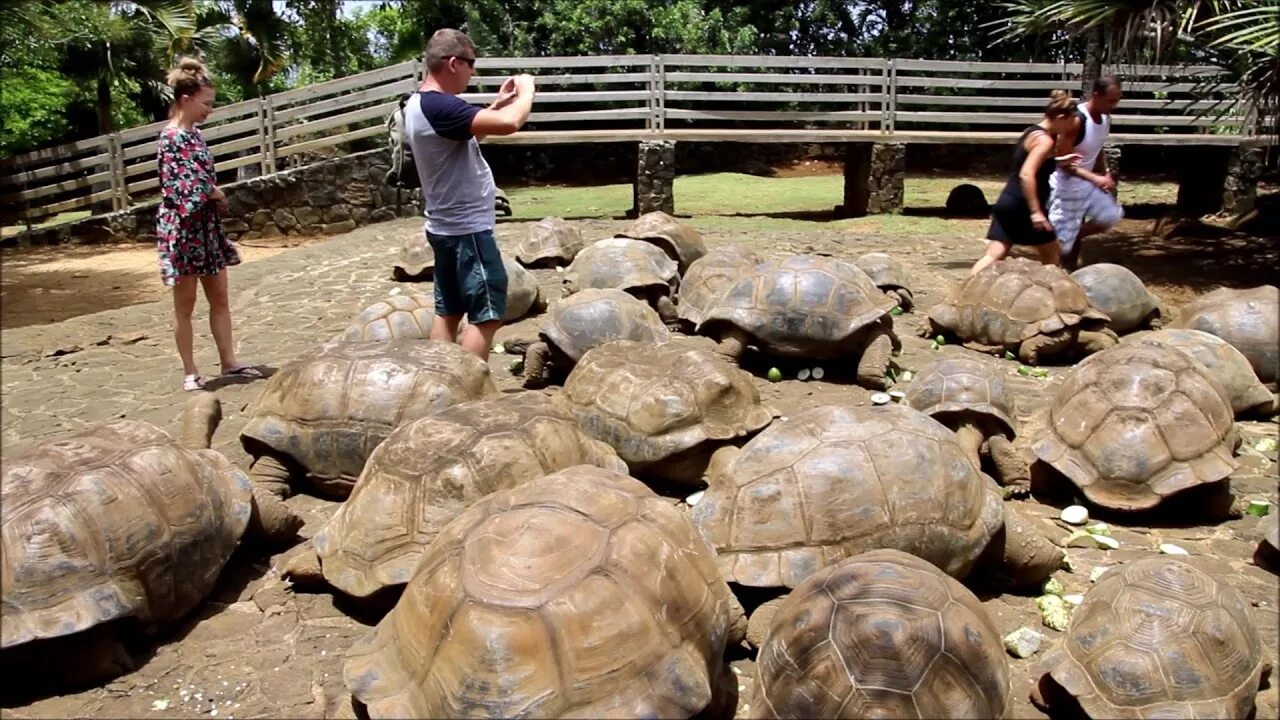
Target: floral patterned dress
{"x":191,"y":239}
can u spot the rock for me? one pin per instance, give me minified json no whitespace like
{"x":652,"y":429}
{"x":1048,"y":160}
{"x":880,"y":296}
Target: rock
{"x":337,"y":213}
{"x":338,"y":228}
{"x":1023,"y":642}
{"x":64,"y":350}
{"x":260,"y":219}
{"x":1075,"y":515}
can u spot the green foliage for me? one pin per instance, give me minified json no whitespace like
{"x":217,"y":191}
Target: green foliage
{"x":33,"y":104}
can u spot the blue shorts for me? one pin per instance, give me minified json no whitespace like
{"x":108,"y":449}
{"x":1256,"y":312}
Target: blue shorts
{"x":469,"y":276}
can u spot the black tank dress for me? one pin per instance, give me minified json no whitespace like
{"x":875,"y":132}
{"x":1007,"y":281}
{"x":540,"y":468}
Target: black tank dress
{"x":1011,"y":215}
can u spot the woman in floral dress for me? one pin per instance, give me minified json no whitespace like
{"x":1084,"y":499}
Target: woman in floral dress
{"x":191,"y":240}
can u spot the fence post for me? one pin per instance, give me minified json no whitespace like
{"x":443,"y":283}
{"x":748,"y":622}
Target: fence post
{"x":264,"y":162}
{"x":269,"y":136}
{"x":888,"y":105}
{"x":661,"y":76}
{"x":119,"y":184}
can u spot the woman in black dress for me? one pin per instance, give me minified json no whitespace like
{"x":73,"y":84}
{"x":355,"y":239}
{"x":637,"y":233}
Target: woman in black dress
{"x":1018,"y":216}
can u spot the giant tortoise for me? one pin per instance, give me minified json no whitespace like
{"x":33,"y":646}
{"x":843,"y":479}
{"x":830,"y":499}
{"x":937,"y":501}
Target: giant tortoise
{"x":1117,"y":292}
{"x":398,"y":317}
{"x":680,"y":241}
{"x":969,"y":396}
{"x":550,"y":242}
{"x":1137,"y":423}
{"x":501,"y":203}
{"x":321,"y":415}
{"x":707,"y":277}
{"x":633,"y":266}
{"x":1225,"y":363}
{"x":580,"y":594}
{"x":582,"y":321}
{"x":1156,"y":638}
{"x":111,"y":530}
{"x":665,"y":407}
{"x":1248,"y":319}
{"x":881,"y":634}
{"x":415,"y":261}
{"x":428,"y":471}
{"x":889,"y":275}
{"x":835,"y":481}
{"x":1017,"y":305}
{"x":807,"y":306}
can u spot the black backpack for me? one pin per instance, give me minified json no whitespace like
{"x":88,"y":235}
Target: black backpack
{"x":403,"y":173}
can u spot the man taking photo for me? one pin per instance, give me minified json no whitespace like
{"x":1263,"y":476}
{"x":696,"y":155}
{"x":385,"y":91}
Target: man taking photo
{"x":458,"y":189}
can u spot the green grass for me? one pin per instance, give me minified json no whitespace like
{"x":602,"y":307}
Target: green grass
{"x":721,"y":200}
{"x":65,"y":217}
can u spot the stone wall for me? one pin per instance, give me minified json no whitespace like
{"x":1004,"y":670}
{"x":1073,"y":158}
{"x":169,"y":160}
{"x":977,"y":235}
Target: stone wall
{"x":655,"y":177}
{"x":328,"y":198}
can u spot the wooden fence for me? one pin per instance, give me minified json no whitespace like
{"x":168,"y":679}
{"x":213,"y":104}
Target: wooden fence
{"x":634,"y":97}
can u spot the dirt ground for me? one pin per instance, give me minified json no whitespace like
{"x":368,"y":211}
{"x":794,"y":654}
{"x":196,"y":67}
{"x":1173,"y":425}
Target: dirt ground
{"x":257,"y":648}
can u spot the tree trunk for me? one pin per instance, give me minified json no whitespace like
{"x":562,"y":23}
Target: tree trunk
{"x":105,"y":125}
{"x":1093,"y":56}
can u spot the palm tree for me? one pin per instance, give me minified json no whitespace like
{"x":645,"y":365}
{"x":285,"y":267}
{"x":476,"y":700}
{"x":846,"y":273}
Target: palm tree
{"x":256,"y":47}
{"x":1240,"y":36}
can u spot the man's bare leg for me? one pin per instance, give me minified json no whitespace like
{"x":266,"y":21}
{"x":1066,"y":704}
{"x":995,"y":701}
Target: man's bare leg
{"x":444,"y":328}
{"x":479,"y":338}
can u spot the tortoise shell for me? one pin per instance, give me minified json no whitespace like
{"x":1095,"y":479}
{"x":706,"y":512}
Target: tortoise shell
{"x":581,"y":594}
{"x":834,"y":481}
{"x":881,"y":634}
{"x":415,"y":256}
{"x":550,"y":241}
{"x":429,"y":470}
{"x":652,"y":402}
{"x":592,"y":317}
{"x":708,"y":276}
{"x":622,"y":264}
{"x":1115,"y":290}
{"x":501,"y":203}
{"x":1225,"y":363}
{"x":522,"y":290}
{"x":399,"y":317}
{"x":1158,"y":638}
{"x":115,"y":521}
{"x":883,"y":270}
{"x":679,"y":241}
{"x":1013,"y":300}
{"x":328,"y":409}
{"x":961,"y":385}
{"x":1248,"y":319}
{"x":805,"y":305}
{"x":1136,"y":423}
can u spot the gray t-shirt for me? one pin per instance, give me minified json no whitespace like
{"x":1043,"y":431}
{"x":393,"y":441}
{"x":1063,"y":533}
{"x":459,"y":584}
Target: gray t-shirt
{"x":457,"y":185}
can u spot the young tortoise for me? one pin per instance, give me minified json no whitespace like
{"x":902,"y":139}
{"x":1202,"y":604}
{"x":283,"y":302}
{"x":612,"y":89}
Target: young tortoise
{"x":1135,"y":424}
{"x":665,"y":407}
{"x":1017,"y":305}
{"x":582,"y":321}
{"x":113,"y":529}
{"x":428,"y":471}
{"x":1156,"y":638}
{"x":633,"y":266}
{"x":970,"y":397}
{"x":1249,"y":397}
{"x":322,"y":414}
{"x":1248,"y":319}
{"x":807,"y":306}
{"x":1117,"y":292}
{"x":550,"y":242}
{"x":416,"y":261}
{"x":580,"y":594}
{"x":888,"y":275}
{"x":881,"y":634}
{"x":834,"y":481}
{"x":707,"y":277}
{"x":679,"y":241}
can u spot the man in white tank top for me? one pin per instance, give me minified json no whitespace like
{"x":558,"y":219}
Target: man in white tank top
{"x":1082,"y":197}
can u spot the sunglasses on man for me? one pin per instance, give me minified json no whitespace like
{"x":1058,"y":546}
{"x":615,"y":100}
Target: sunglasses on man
{"x":468,"y":60}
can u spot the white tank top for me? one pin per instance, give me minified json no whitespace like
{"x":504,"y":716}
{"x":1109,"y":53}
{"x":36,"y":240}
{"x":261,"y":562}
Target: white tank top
{"x":1095,"y":134}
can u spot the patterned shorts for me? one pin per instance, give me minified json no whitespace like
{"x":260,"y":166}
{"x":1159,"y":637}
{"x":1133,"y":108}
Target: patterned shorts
{"x":1074,"y":199}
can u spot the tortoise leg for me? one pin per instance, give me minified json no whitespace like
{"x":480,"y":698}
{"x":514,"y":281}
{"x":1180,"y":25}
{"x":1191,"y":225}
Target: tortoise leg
{"x":733,"y":342}
{"x":761,"y":621}
{"x":903,"y":296}
{"x":536,"y":371}
{"x":1012,"y":469}
{"x":272,"y":520}
{"x":1041,"y":346}
{"x":874,"y":363}
{"x":302,"y":567}
{"x":1092,"y":341}
{"x":971,"y":438}
{"x":737,"y":622}
{"x":1154,"y":321}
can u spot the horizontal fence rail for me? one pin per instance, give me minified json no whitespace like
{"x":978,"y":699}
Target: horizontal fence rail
{"x":634,"y":97}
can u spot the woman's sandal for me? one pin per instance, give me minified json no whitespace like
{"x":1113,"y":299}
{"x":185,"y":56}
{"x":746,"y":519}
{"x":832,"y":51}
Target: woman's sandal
{"x":247,"y":371}
{"x":192,"y":382}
